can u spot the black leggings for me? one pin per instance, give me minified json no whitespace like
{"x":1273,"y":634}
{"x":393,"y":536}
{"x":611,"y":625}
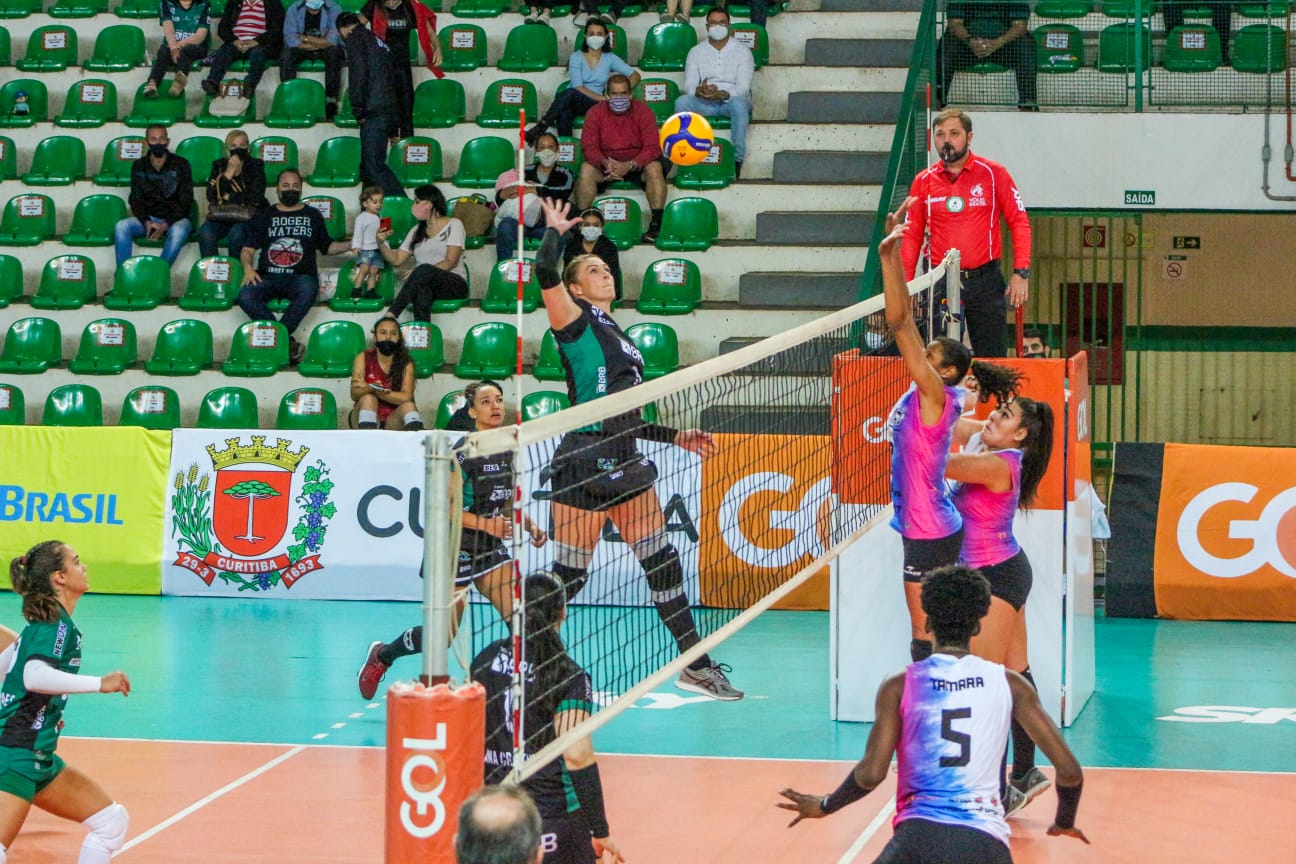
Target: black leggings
{"x":427,"y":284}
{"x":917,"y":841}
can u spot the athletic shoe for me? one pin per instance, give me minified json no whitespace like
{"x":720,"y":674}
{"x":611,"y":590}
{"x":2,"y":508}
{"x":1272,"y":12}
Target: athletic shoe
{"x":681,"y":18}
{"x":709,"y":681}
{"x":650,"y":236}
{"x":372,"y":672}
{"x":210,"y":87}
{"x":665,"y":18}
{"x":1028,"y":788}
{"x":178,"y":84}
{"x":543,"y":18}
{"x":580,"y":18}
{"x":150,"y":90}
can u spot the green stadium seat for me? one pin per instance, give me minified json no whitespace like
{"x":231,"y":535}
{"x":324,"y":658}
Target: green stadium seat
{"x":479,"y":8}
{"x":666,"y":46}
{"x":57,"y":161}
{"x":446,"y":307}
{"x":333,"y":212}
{"x":28,"y":220}
{"x":489,"y":351}
{"x":67,"y":282}
{"x":1192,"y":48}
{"x":1272,"y":9}
{"x":278,"y":153}
{"x":549,"y":364}
{"x":337,"y":163}
{"x":716,"y":171}
{"x":569,"y":154}
{"x":543,"y":402}
{"x":200,"y":151}
{"x":1116,"y":44}
{"x":622,"y":220}
{"x":425,"y":345}
{"x":659,"y":346}
{"x":402,"y":220}
{"x":229,"y":408}
{"x":37,"y":103}
{"x":151,"y":406}
{"x":73,"y":405}
{"x":463,"y":47}
{"x":136,"y":9}
{"x":345,"y":117}
{"x":1259,"y":48}
{"x":259,"y":349}
{"x":439,"y":103}
{"x":162,"y":109}
{"x":415,"y":161}
{"x":50,"y":49}
{"x":8,"y":158}
{"x":1125,"y":8}
{"x":107,"y":348}
{"x":118,"y":156}
{"x":529,"y":48}
{"x":207,"y":120}
{"x":689,"y":224}
{"x":501,"y":293}
{"x":6,"y":47}
{"x":297,"y":104}
{"x":31,"y":346}
{"x":616,"y":36}
{"x":23,"y":8}
{"x":659,"y":94}
{"x":89,"y":104}
{"x":502,"y":101}
{"x":756,"y":40}
{"x":332,"y":349}
{"x":118,"y":48}
{"x":13,"y":407}
{"x":1059,"y":48}
{"x":308,"y":408}
{"x":11,"y":280}
{"x":671,"y":286}
{"x":183,"y":347}
{"x":449,"y":404}
{"x":343,"y":299}
{"x":482,"y":160}
{"x":213,"y":285}
{"x":141,"y":282}
{"x":1065,"y":8}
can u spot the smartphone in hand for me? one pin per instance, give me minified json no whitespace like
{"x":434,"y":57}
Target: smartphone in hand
{"x":376,"y":386}
{"x":384,"y":224}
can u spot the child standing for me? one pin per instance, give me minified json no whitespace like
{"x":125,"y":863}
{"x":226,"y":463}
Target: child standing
{"x":364,"y":242}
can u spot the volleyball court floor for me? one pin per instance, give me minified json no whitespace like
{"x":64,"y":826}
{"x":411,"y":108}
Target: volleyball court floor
{"x":244,"y":740}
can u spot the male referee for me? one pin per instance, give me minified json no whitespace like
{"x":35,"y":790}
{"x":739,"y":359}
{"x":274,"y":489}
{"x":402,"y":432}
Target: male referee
{"x":960,"y":201}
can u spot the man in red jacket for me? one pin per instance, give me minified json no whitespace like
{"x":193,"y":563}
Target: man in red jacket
{"x":620,"y":142}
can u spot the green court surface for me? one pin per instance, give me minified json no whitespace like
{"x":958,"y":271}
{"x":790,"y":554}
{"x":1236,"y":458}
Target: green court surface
{"x":262,"y":671}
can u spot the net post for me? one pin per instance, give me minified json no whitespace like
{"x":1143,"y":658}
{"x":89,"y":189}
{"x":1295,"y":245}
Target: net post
{"x":438,"y":584}
{"x":953,"y":295}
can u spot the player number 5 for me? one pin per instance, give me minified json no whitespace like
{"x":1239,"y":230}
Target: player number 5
{"x":962,"y":739}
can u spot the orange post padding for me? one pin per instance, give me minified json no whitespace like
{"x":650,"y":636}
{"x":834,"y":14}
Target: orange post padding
{"x":436,"y":743}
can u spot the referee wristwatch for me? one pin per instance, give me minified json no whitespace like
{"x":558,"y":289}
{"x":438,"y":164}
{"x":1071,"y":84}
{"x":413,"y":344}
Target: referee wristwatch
{"x":1023,"y":272}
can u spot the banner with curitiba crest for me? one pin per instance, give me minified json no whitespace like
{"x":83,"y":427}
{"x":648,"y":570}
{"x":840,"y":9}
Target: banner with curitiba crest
{"x":294,"y":514}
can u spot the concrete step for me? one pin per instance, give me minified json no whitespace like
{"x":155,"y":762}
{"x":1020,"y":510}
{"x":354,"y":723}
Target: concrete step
{"x":790,"y":228}
{"x":843,"y":107}
{"x":829,"y":166}
{"x":762,"y":289}
{"x":859,"y":52}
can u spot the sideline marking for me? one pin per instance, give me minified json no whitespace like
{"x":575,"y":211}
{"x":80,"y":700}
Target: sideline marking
{"x":882,"y":818}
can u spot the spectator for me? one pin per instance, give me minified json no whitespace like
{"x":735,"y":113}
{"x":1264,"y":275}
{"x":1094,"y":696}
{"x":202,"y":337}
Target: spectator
{"x":310,"y":33}
{"x":498,"y":825}
{"x":392,"y":21}
{"x":589,"y":11}
{"x":550,"y":179}
{"x":373,"y":101}
{"x":1033,"y":344}
{"x":161,"y":199}
{"x":620,"y":143}
{"x":717,"y":81}
{"x":1221,"y":18}
{"x":961,"y":200}
{"x":235,"y":193}
{"x":508,"y":213}
{"x":436,"y":244}
{"x":251,"y":30}
{"x":185,"y":27}
{"x":677,"y":10}
{"x":382,"y":382}
{"x":980,"y":32}
{"x":288,"y":235}
{"x":587,"y":73}
{"x":587,"y":239}
{"x":364,"y":242}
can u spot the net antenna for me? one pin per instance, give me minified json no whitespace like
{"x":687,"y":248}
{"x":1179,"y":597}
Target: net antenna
{"x":779,"y":387}
{"x":519,"y":589}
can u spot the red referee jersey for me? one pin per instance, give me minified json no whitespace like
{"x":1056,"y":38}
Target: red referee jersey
{"x":965,"y":213}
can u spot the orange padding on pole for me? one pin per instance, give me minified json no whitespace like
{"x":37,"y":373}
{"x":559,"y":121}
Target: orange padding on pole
{"x":436,"y":743}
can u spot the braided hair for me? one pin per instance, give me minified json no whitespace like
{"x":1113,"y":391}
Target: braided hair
{"x":30,"y":575}
{"x":545,"y":652}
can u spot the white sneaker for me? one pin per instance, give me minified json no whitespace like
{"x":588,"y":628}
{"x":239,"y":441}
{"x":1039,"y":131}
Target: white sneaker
{"x":709,"y":681}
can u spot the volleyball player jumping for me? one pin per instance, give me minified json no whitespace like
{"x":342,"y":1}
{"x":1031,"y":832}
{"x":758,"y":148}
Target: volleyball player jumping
{"x":598,"y":473}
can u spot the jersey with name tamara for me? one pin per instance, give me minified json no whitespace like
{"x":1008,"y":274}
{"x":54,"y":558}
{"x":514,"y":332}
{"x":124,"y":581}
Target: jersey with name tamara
{"x":487,"y":492}
{"x":31,"y":720}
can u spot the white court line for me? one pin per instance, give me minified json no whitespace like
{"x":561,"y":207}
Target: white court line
{"x":204,"y":801}
{"x":882,"y":818}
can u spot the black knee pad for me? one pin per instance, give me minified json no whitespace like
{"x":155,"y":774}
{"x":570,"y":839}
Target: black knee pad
{"x":664,"y":571}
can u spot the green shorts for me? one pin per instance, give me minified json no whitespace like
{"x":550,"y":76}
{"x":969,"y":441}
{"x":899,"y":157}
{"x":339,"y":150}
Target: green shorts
{"x":26,"y":772}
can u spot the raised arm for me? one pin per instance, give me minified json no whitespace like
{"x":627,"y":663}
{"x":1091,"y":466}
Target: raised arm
{"x":899,"y":317}
{"x":559,"y":304}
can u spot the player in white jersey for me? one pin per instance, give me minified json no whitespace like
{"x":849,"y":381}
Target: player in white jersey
{"x":946,"y":718}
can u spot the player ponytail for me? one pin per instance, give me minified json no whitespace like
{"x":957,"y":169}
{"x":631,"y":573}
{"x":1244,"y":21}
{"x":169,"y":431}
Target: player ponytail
{"x":545,"y":601}
{"x":998,"y":381}
{"x":1037,"y":447}
{"x":30,"y":575}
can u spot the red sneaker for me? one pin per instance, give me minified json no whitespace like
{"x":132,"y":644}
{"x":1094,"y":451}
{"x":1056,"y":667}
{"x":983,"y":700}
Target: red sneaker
{"x":372,"y":672}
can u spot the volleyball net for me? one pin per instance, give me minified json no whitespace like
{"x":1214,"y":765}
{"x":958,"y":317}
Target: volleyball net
{"x":666,"y":552}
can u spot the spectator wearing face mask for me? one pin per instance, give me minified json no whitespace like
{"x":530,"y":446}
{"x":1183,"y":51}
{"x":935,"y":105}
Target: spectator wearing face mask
{"x":717,"y":81}
{"x":511,"y":209}
{"x":161,"y":199}
{"x":1033,"y":344}
{"x":382,"y":382}
{"x":587,"y":239}
{"x":392,"y":21}
{"x":550,"y":179}
{"x":310,"y":33}
{"x":240,"y":180}
{"x":588,"y":71}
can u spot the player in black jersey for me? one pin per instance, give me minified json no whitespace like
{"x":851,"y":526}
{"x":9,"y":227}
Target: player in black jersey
{"x":597,"y":471}
{"x":484,"y":561}
{"x":567,"y":791}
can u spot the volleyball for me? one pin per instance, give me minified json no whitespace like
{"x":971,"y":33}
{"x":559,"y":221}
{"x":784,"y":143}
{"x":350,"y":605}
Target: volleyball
{"x":686,"y":138}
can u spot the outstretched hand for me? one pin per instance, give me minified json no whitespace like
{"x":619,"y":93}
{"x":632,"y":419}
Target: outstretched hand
{"x":805,"y":806}
{"x":1055,"y":831}
{"x":896,"y":228}
{"x":696,"y":441}
{"x":115,"y":682}
{"x":557,"y":215}
{"x":607,"y":851}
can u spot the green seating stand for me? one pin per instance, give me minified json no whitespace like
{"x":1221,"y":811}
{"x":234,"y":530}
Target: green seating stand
{"x":689,"y":224}
{"x":67,"y":282}
{"x":73,"y":405}
{"x":183,"y":347}
{"x":141,"y":282}
{"x":308,"y":408}
{"x":151,"y":406}
{"x":31,"y":346}
{"x":671,"y":286}
{"x":659,"y":346}
{"x":489,"y":351}
{"x":258,"y":349}
{"x":229,"y":408}
{"x":213,"y":284}
{"x":425,"y":345}
{"x":331,"y":349}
